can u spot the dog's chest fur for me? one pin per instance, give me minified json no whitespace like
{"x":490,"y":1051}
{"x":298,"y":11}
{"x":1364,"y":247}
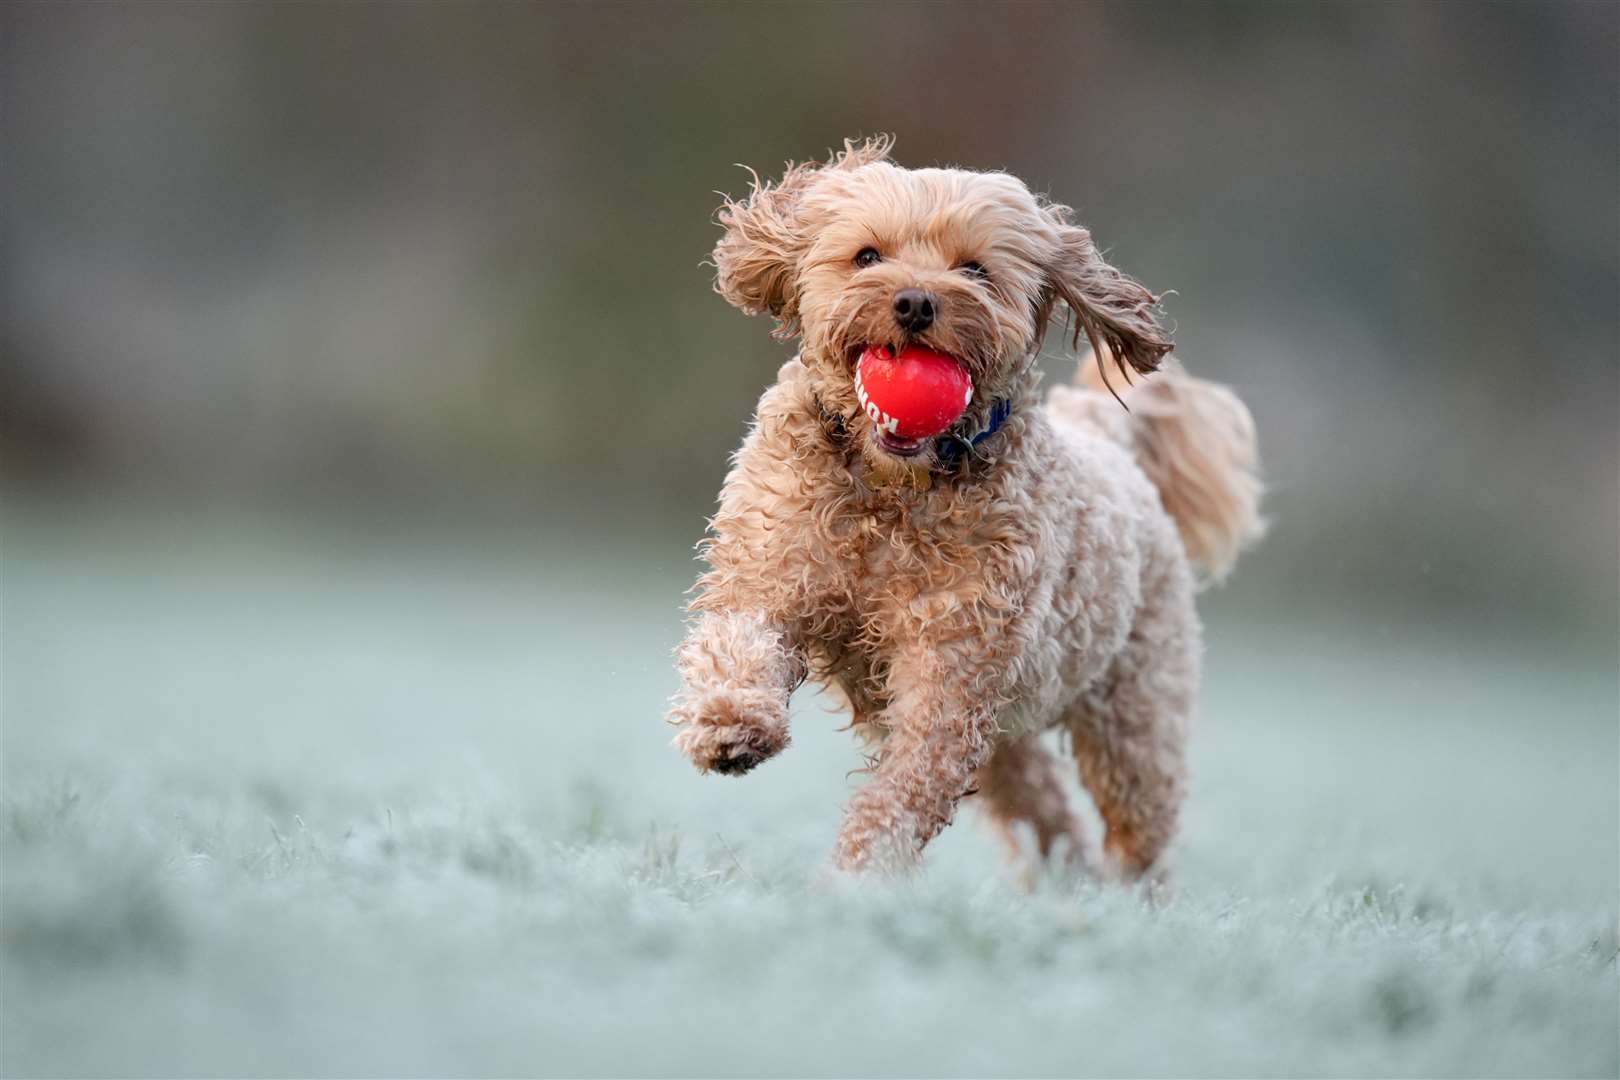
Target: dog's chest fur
{"x":999,"y":561}
{"x":900,"y":571}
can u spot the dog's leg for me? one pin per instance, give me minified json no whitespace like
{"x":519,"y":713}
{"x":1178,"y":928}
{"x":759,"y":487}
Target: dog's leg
{"x":737,"y":673}
{"x":1022,"y":783}
{"x":1130,"y":733}
{"x":938,"y":739}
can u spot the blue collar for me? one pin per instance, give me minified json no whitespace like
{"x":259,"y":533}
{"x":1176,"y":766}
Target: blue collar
{"x":951,"y":448}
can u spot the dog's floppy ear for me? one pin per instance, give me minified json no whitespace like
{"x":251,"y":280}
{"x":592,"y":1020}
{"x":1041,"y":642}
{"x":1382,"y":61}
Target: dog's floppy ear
{"x":755,"y":261}
{"x":1117,"y":314}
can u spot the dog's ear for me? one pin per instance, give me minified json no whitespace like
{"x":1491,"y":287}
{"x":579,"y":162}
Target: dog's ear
{"x":756,"y":259}
{"x":1117,"y":314}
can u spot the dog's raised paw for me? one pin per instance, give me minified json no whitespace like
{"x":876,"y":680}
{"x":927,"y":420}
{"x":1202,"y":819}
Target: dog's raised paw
{"x":740,"y":760}
{"x":732,"y":750}
{"x":729,"y":733}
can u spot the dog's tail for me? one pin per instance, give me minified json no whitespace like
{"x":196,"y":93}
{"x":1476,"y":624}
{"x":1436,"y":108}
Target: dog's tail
{"x":1195,"y":440}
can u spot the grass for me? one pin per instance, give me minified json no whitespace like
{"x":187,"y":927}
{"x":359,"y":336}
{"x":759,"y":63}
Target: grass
{"x":359,"y":809}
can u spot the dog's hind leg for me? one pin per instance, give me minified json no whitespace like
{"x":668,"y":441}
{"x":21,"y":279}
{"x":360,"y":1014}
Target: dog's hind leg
{"x":1022,"y":785}
{"x":1130,"y":731}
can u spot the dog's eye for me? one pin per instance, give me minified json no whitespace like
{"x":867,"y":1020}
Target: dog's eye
{"x":975,"y":271}
{"x":867,"y":257}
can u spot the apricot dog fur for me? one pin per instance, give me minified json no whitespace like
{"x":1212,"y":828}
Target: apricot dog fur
{"x":968,"y":595}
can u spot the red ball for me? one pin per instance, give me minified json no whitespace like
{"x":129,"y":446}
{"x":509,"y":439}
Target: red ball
{"x":915,"y":394}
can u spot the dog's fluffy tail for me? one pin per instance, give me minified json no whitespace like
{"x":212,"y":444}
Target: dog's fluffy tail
{"x":1195,"y":440}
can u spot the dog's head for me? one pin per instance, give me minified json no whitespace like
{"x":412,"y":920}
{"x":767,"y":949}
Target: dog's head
{"x":859,"y":253}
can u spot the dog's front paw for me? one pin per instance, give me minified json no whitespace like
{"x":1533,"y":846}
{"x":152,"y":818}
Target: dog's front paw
{"x":730,"y":731}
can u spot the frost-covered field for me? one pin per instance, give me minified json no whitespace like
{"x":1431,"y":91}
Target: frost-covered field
{"x":347,"y":806}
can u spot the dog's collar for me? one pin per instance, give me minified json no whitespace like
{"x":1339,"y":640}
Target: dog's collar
{"x":949,"y":450}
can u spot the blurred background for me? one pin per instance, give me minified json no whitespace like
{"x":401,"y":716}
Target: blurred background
{"x":443,"y":261}
{"x":362,"y":393}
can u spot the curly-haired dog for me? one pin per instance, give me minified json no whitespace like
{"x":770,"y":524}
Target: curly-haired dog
{"x":1031,"y":568}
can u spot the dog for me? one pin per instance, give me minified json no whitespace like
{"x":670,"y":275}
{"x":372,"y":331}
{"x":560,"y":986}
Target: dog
{"x":1032,"y":568}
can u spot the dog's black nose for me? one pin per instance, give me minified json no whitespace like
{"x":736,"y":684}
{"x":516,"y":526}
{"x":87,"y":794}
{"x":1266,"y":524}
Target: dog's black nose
{"x":914,"y":310}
